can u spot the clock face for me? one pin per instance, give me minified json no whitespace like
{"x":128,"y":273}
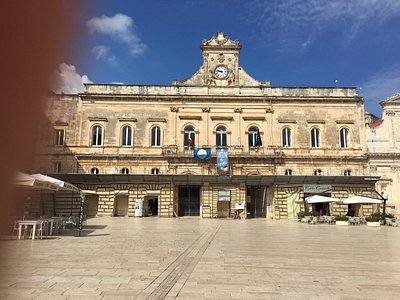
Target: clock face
{"x":220,"y":72}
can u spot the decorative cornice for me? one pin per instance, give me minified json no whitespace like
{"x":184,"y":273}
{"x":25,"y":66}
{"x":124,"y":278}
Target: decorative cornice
{"x":98,"y":119}
{"x":316,"y":121}
{"x":269,"y":110}
{"x":190,"y":117}
{"x":156,"y":120}
{"x":287,"y":121}
{"x":59,"y":123}
{"x":221,"y":118}
{"x":254,"y":118}
{"x":127,"y":119}
{"x":390,"y":113}
{"x":344,"y":121}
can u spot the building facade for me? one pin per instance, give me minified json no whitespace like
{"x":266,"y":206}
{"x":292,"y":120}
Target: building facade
{"x":383,"y":142}
{"x":164,"y":145}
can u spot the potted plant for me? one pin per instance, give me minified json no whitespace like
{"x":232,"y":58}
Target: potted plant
{"x":388,"y":219}
{"x":373,"y":220}
{"x":342,"y":220}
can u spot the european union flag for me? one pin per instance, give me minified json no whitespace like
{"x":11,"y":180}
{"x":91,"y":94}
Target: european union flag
{"x":202,"y":153}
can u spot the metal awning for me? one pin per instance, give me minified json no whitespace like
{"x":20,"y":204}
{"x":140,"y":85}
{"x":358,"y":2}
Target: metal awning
{"x":190,"y":179}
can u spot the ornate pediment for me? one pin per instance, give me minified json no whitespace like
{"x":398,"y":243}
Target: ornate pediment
{"x":220,"y":41}
{"x":220,"y":65}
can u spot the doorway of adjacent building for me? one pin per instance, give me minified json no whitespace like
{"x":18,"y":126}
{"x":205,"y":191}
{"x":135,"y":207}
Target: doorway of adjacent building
{"x":121,"y":206}
{"x":189,"y":201}
{"x":91,"y":205}
{"x":256,"y":202}
{"x":153,"y":206}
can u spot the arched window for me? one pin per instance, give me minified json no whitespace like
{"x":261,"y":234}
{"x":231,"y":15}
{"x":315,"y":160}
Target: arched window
{"x":221,"y":138}
{"x":155,"y":171}
{"x":97,"y":136}
{"x":94,"y":171}
{"x":126,"y":136}
{"x":125,"y":171}
{"x":317,"y":172}
{"x":288,"y":172}
{"x":286,"y":137}
{"x":315,"y":142}
{"x":347,"y":173}
{"x":344,"y":138}
{"x":156,"y":136}
{"x":253,"y":136}
{"x":189,"y":137}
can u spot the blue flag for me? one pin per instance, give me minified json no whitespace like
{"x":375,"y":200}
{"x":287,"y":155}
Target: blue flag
{"x":202,"y":153}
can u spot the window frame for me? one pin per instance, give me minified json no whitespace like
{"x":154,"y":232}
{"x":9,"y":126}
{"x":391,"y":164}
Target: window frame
{"x":155,"y":171}
{"x":252,"y":136}
{"x":189,"y":132}
{"x":317,"y":172}
{"x":347,"y":172}
{"x":344,"y":140}
{"x":221,"y":136}
{"x":315,"y":138}
{"x":57,"y":167}
{"x":125,"y":171}
{"x":95,"y":171}
{"x":126,"y":136}
{"x":155,"y":137}
{"x":95,"y":135}
{"x":286,"y":137}
{"x":60,"y":140}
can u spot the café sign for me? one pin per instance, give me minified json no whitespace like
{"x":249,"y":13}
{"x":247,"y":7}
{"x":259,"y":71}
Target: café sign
{"x":317,"y":188}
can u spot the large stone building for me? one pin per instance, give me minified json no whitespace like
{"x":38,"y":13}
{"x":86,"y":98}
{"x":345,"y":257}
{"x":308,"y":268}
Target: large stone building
{"x":205,"y":145}
{"x":383,"y":142}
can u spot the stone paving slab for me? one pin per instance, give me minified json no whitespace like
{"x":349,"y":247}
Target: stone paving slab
{"x":191,"y":258}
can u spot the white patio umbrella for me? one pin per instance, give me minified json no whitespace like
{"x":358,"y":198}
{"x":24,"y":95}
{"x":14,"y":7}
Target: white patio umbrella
{"x":61,"y":184}
{"x":361,"y":200}
{"x":318,"y":199}
{"x":27,"y":181}
{"x":321,"y":199}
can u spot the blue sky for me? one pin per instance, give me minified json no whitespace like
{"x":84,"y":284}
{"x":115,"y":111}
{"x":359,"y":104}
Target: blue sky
{"x":290,"y":43}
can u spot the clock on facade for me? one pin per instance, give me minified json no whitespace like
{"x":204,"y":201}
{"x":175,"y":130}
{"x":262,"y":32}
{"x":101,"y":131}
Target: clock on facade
{"x":220,"y":72}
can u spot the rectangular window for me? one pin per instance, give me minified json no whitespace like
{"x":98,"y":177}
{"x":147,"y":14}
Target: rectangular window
{"x":57,"y":167}
{"x":59,"y":137}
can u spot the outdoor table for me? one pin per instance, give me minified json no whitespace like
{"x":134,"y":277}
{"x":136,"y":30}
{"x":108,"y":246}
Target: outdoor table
{"x":27,"y":223}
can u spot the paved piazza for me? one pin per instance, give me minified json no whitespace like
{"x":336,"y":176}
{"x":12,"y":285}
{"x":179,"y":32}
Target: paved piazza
{"x":191,"y":258}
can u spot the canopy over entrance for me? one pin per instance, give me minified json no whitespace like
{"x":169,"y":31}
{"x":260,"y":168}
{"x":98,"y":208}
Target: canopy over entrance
{"x":249,"y":180}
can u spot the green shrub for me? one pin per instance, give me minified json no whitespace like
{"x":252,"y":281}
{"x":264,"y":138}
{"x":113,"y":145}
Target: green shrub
{"x":390,"y":216}
{"x":373,"y":218}
{"x":301,"y":214}
{"x":341,"y":218}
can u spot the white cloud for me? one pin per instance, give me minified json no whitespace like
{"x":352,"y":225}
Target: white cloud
{"x":120,"y":26}
{"x":380,"y":86}
{"x":68,"y":81}
{"x":299,"y":21}
{"x":100,"y":51}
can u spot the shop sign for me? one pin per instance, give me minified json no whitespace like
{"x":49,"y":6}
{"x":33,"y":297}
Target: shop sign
{"x":317,"y":188}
